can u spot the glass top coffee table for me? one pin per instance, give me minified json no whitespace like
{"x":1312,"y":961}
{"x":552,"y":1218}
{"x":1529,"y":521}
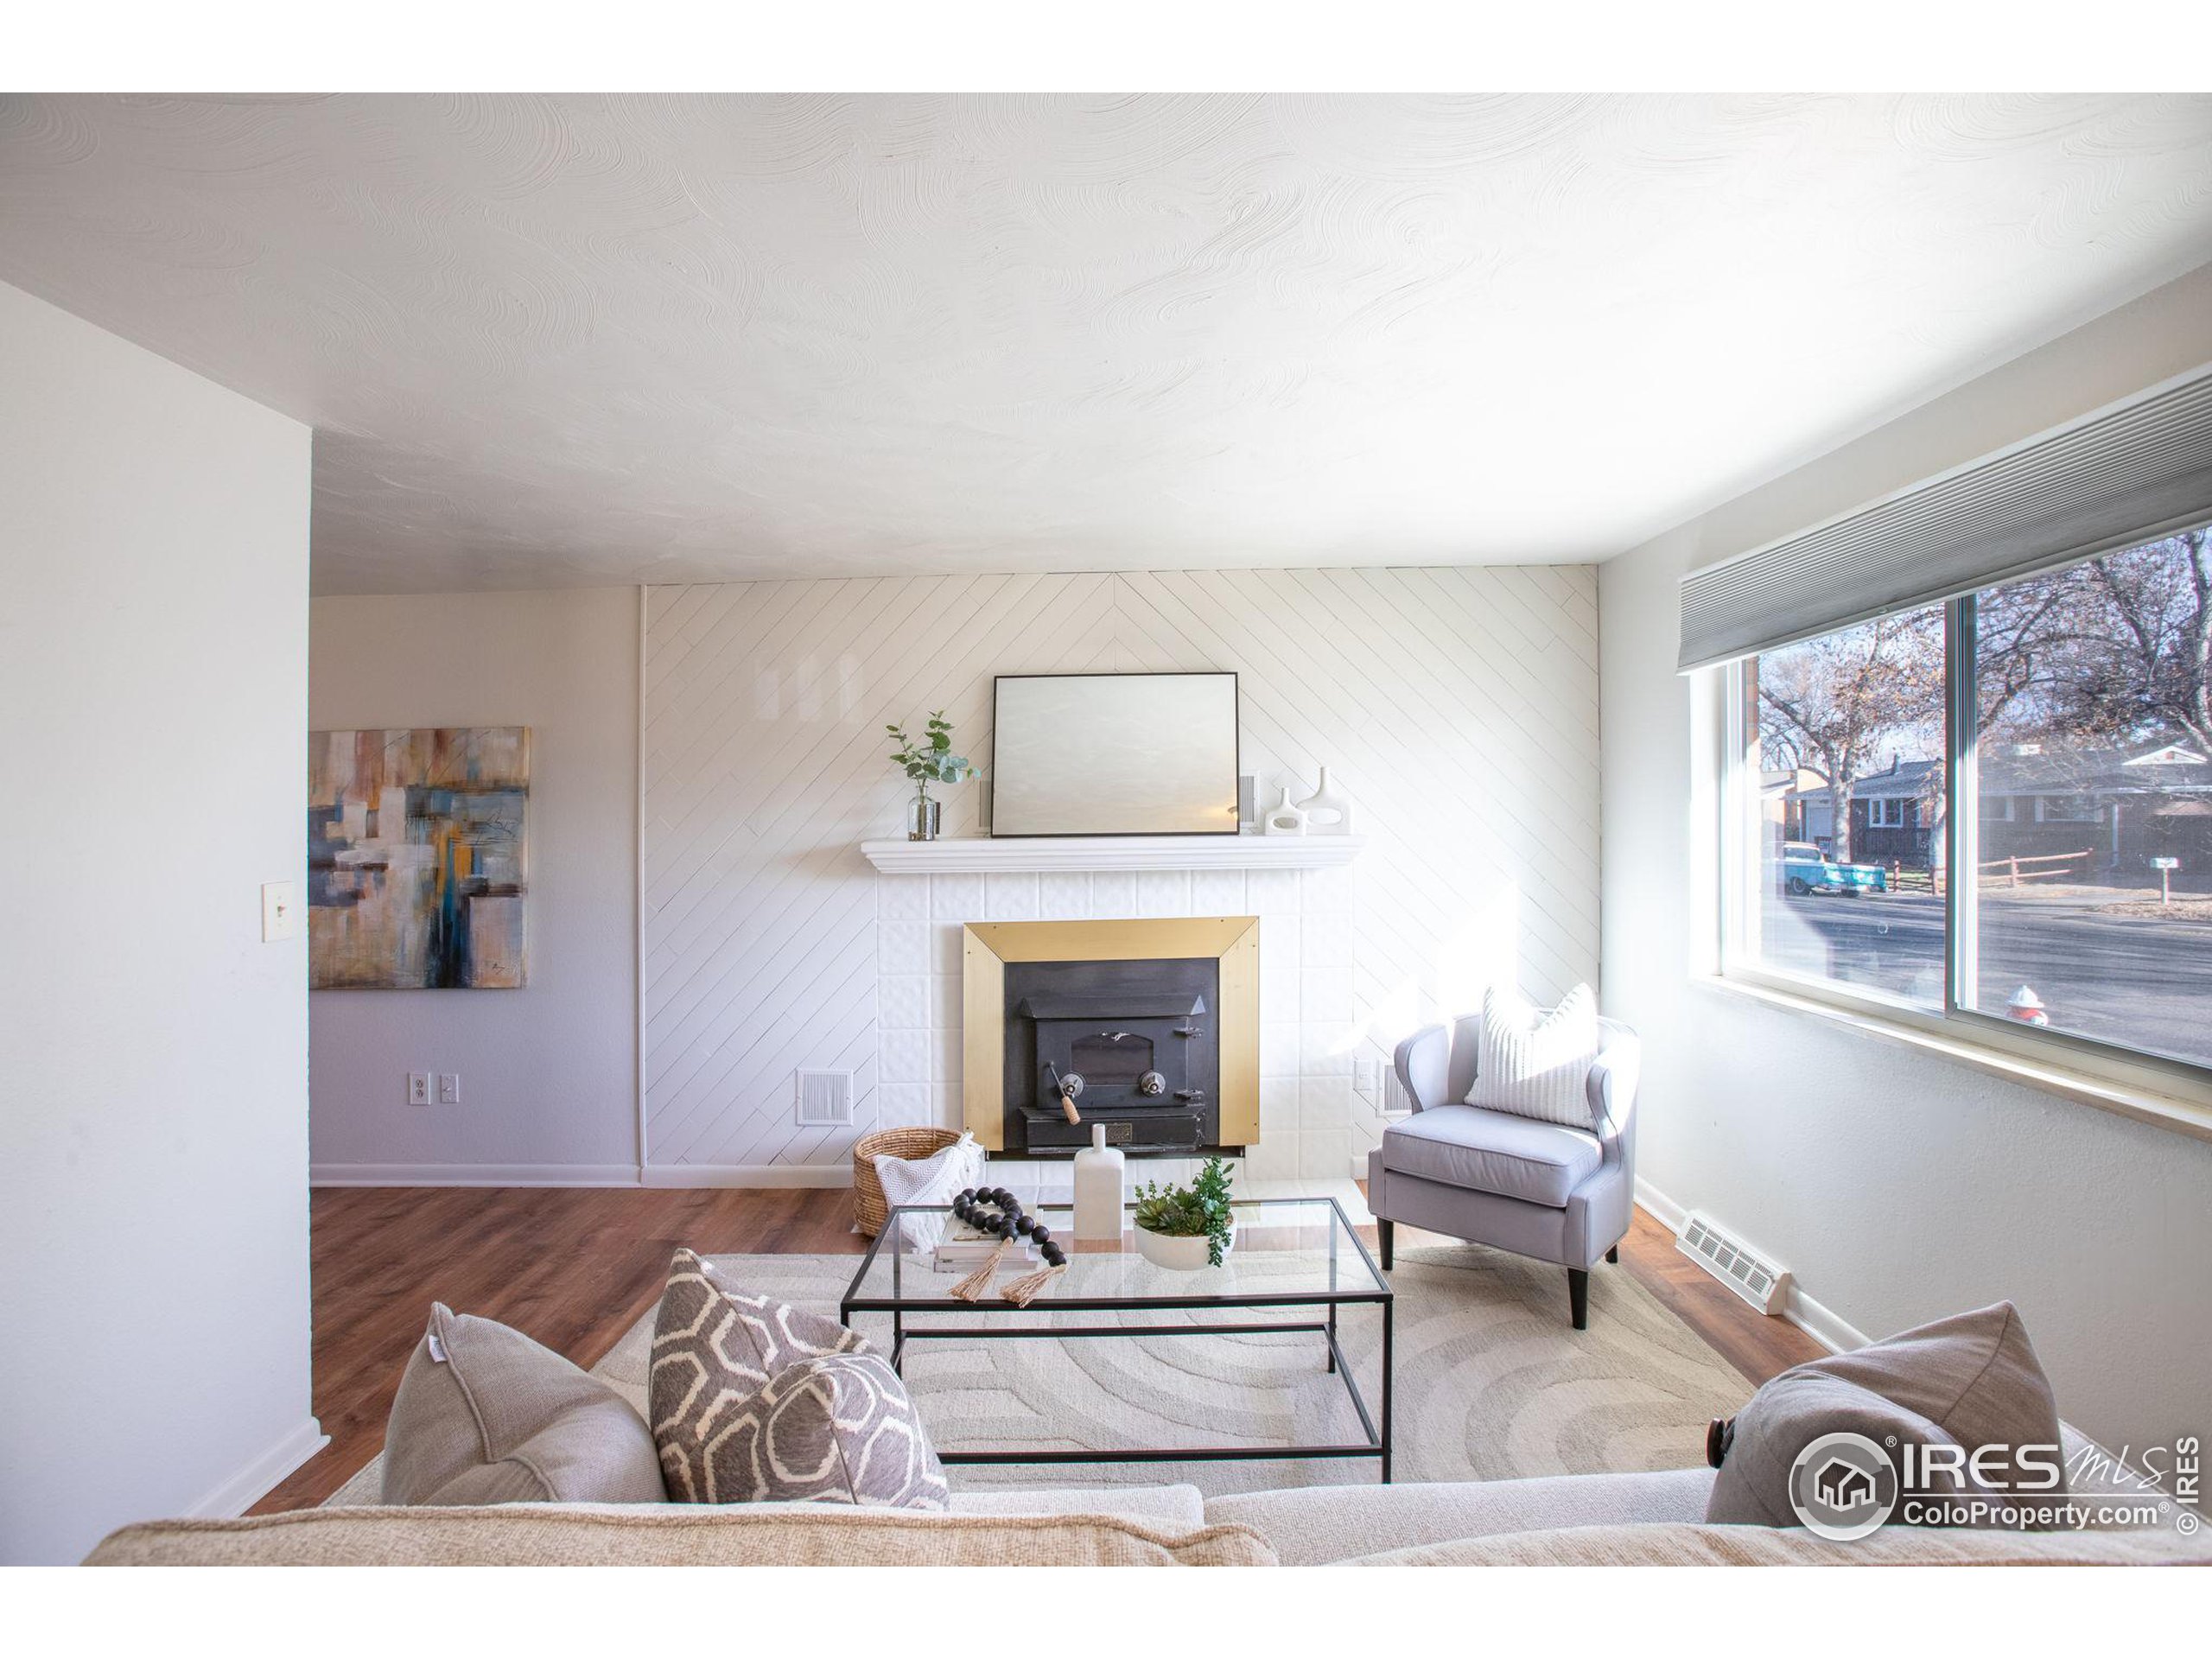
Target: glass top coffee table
{"x":1296,"y":1265}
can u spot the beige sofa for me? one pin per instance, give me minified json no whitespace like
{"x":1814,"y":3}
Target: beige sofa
{"x":1587,"y":1519}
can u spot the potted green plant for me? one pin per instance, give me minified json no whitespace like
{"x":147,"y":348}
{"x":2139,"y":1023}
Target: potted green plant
{"x":1186,"y":1227}
{"x":930,"y":760}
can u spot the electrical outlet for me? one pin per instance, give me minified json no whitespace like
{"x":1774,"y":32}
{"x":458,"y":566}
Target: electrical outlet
{"x":418,"y":1087}
{"x":448,"y":1088}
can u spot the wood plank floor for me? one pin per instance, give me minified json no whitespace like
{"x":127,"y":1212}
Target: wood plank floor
{"x":575,"y":1267}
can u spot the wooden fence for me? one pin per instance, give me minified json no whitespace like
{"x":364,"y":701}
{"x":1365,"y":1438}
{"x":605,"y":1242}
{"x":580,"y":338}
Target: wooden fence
{"x":2008,"y":872}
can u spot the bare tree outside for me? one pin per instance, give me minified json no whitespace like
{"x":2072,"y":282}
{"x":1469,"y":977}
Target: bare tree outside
{"x":1840,"y":703}
{"x":2117,"y":650}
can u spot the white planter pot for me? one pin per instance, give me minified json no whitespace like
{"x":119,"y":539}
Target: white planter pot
{"x":1182,"y":1254}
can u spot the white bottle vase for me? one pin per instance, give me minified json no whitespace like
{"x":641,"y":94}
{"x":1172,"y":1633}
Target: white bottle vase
{"x":1328,"y":810}
{"x":1284,"y":819}
{"x":1098,"y":1189}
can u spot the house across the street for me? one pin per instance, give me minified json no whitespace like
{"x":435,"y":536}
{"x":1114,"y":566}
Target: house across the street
{"x":2125,"y":810}
{"x":2120,"y":811}
{"x":1893,"y":814}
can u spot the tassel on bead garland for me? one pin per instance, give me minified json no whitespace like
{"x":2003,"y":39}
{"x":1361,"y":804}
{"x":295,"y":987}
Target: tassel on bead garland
{"x":1024,"y":1290}
{"x":971,"y":1288}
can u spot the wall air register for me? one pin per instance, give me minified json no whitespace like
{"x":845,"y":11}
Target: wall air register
{"x":1751,"y":1274}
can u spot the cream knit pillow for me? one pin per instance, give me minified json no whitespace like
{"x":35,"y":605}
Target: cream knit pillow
{"x":1535,"y":1063}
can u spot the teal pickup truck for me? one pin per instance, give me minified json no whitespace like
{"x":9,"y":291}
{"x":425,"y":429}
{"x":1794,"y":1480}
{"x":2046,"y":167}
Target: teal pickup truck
{"x":1806,"y":868}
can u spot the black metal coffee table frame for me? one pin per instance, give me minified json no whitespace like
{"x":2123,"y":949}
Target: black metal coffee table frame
{"x":995,"y":1326}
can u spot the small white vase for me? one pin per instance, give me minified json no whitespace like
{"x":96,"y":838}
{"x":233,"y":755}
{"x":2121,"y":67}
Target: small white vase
{"x":1328,"y":810}
{"x":1283,"y":819}
{"x":1099,"y":1189}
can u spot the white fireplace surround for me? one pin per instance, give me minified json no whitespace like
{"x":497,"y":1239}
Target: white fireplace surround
{"x":1313,"y":1121}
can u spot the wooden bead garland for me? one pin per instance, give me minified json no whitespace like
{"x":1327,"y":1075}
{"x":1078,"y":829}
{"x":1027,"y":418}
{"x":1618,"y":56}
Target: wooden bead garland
{"x":995,"y":1213}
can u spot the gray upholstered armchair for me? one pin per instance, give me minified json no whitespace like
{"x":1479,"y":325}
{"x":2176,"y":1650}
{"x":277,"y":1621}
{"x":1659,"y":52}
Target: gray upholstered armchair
{"x":1516,"y":1184}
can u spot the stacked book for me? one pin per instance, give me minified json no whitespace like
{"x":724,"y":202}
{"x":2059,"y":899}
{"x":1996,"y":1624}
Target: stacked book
{"x":962,"y":1249}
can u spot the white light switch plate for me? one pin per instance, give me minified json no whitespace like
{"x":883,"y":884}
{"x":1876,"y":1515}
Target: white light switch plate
{"x":448,"y":1088}
{"x":280,"y":911}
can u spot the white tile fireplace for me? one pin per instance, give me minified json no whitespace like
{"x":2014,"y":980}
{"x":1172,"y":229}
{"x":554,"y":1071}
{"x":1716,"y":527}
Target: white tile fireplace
{"x":1311,"y":1121}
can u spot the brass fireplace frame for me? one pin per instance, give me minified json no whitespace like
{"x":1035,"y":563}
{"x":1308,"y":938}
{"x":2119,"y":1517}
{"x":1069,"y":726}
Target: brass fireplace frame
{"x":987,"y":947}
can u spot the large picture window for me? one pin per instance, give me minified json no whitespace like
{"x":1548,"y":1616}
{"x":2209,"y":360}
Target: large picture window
{"x":1997,"y":808}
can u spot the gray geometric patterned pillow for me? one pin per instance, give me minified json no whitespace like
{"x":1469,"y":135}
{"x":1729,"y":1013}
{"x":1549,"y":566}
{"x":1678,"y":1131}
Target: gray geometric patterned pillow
{"x":716,"y":1350}
{"x":838,"y":1429}
{"x":712,"y":1337}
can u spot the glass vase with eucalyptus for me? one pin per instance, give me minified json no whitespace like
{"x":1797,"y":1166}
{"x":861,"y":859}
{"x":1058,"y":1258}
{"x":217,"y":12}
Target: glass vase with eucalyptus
{"x":929,"y":759}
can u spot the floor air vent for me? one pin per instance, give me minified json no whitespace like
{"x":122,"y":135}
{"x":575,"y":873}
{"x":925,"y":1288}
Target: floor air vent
{"x":1750,"y":1275}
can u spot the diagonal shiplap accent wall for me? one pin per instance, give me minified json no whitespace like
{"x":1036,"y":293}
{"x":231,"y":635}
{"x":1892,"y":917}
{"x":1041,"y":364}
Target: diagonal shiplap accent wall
{"x":1458,"y":706}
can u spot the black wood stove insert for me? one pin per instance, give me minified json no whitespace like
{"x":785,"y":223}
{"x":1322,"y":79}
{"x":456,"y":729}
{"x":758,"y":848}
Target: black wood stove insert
{"x":1139,"y":1043}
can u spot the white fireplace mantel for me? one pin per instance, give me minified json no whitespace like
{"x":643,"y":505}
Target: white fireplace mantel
{"x":958,"y":853}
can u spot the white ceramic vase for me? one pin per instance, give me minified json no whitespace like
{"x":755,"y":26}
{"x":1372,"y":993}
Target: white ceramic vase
{"x":1328,"y":810}
{"x":1100,"y":1190}
{"x":1283,"y":819}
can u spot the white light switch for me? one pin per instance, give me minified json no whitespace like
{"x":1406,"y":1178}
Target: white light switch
{"x":280,"y":911}
{"x":448,"y":1088}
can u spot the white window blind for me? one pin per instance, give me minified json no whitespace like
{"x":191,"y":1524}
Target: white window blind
{"x":2126,"y":474}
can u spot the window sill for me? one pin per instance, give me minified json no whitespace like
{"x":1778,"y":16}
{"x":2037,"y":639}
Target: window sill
{"x":2180,"y":1112}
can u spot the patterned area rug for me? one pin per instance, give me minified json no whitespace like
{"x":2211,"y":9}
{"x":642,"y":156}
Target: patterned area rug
{"x":1492,"y":1383}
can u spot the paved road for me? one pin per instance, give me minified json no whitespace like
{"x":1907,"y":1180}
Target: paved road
{"x":2125,"y":979}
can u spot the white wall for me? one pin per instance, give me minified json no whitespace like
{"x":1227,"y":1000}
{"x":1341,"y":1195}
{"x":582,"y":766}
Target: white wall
{"x":1458,"y":706}
{"x":153,"y":1055}
{"x":1899,"y":1187}
{"x":549,"y":1072}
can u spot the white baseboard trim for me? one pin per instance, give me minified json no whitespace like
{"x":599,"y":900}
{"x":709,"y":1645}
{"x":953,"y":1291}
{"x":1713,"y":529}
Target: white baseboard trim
{"x":1821,"y":1323}
{"x":260,"y":1478}
{"x":656,"y":1175}
{"x":471,"y":1175}
{"x":1661,"y":1208}
{"x":748,"y":1175}
{"x":1816,"y":1320}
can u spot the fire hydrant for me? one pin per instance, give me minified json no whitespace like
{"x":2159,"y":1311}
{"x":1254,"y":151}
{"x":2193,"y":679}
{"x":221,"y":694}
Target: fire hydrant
{"x":2027,"y":1007}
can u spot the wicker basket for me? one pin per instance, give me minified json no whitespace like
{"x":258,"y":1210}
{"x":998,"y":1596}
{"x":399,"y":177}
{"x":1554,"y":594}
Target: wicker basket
{"x":869,"y":1210}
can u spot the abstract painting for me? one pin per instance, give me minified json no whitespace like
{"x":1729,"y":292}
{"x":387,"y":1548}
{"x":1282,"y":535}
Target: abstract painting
{"x":414,"y":858}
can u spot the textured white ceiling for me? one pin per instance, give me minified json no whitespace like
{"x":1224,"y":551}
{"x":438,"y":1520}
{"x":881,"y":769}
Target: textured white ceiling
{"x":553,"y":341}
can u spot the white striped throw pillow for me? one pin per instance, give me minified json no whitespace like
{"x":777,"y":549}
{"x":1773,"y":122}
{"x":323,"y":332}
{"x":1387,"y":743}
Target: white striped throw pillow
{"x":1535,"y":1063}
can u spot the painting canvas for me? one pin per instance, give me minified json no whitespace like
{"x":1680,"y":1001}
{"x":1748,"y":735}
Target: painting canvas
{"x":415,"y":858}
